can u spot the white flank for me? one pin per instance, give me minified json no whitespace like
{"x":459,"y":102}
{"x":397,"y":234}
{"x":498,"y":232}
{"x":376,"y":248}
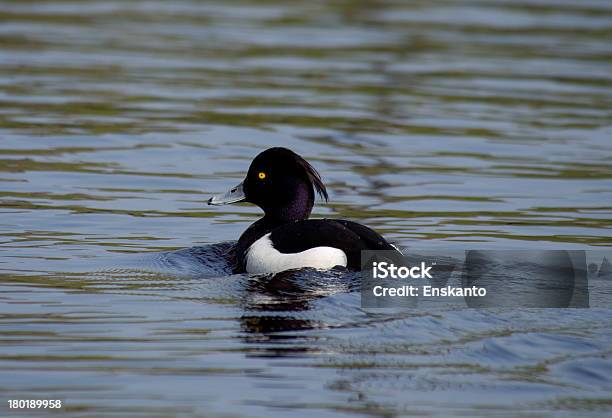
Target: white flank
{"x":262,"y":257}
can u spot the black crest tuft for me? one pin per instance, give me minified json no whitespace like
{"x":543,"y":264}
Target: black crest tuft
{"x":313,"y":176}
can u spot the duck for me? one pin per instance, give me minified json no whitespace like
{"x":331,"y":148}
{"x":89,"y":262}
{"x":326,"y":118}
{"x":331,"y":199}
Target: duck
{"x":283,"y":184}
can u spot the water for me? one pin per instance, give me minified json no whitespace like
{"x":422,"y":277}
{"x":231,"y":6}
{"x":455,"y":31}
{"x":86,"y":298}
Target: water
{"x":459,"y":124}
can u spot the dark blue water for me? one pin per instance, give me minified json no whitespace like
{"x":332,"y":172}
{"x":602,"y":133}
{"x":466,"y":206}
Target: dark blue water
{"x":445,"y":126}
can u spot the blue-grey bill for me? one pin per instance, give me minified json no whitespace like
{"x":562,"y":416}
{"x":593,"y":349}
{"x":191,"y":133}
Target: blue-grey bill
{"x":233,"y":195}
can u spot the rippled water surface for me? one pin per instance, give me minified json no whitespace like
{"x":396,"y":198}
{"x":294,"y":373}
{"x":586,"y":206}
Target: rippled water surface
{"x":465,"y":124}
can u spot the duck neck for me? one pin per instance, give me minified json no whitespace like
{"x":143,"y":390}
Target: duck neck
{"x":296,"y":207}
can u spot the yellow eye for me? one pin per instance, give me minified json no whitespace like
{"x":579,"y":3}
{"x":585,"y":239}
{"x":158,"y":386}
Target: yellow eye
{"x":261,"y":175}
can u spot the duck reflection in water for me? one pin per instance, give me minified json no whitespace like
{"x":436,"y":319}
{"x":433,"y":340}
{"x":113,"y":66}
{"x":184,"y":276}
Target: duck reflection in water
{"x":277,"y":304}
